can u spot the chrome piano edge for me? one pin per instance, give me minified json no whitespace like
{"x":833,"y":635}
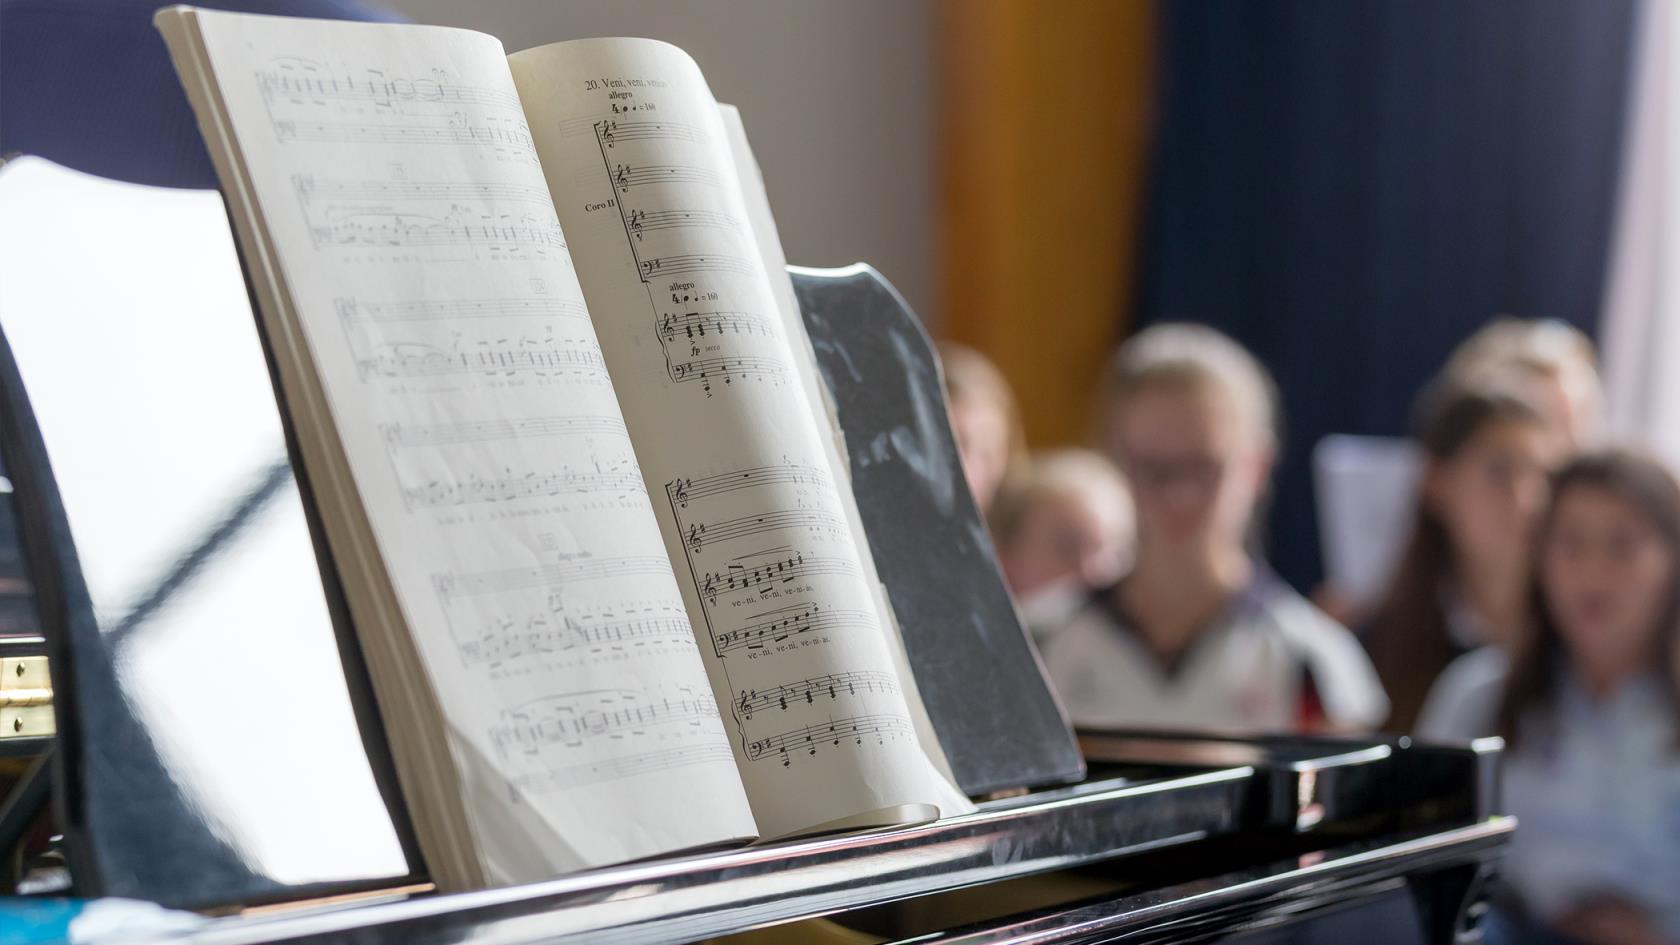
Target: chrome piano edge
{"x":712,"y":894}
{"x":1138,"y":915}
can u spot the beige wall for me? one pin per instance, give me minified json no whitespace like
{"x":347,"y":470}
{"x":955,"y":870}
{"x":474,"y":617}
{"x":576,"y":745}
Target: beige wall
{"x":838,"y":98}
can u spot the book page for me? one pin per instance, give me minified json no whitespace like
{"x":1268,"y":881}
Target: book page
{"x":421,"y":252}
{"x":741,"y":479}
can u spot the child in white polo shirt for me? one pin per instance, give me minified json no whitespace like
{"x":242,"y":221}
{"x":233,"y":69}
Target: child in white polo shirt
{"x":1199,"y":635}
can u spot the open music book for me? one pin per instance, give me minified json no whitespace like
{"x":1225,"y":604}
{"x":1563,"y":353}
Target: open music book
{"x":566,"y":439}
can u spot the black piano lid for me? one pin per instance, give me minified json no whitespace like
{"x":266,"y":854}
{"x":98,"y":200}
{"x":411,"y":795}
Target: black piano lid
{"x":1189,"y":842}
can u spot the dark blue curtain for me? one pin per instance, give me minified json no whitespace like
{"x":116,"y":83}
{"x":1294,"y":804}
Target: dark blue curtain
{"x":1351,"y":188}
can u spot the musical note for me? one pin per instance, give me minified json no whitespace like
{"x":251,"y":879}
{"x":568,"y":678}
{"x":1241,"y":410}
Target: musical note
{"x":808,"y":691}
{"x":739,"y":576}
{"x":683,"y":490}
{"x":811,"y":737}
{"x":546,"y":575}
{"x":551,"y":631}
{"x":641,"y":222}
{"x":701,"y":535}
{"x":436,"y":310}
{"x":683,"y":264}
{"x":693,"y":326}
{"x":566,"y":719}
{"x":705,"y":370}
{"x":614,"y":132}
{"x":399,"y":435}
{"x":620,"y":479}
{"x":311,"y":188}
{"x":777,"y":625}
{"x":623,"y":767}
{"x":626,"y":176}
{"x":418,"y":359}
{"x":461,"y":225}
{"x":302,"y":81}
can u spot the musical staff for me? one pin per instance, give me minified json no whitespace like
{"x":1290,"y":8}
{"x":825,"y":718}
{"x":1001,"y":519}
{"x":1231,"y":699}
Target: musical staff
{"x":811,"y":737}
{"x":615,"y":132}
{"x":807,"y":691}
{"x":309,"y":187}
{"x":685,"y":263}
{"x":399,"y":435}
{"x":739,"y":576}
{"x":682,"y":491}
{"x":777,"y":625}
{"x":467,"y":309}
{"x":459,"y":226}
{"x":559,"y":720}
{"x":303,"y":81}
{"x":697,"y":536}
{"x":696,"y":326}
{"x":625,"y":176}
{"x":547,"y":575}
{"x":627,"y":766}
{"x":642,"y":222}
{"x":418,"y":359}
{"x":726,"y":369}
{"x":550,"y":634}
{"x":504,"y":133}
{"x":620,"y":479}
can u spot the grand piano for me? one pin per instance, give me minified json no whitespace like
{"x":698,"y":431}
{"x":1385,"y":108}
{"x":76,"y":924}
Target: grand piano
{"x":186,"y":756}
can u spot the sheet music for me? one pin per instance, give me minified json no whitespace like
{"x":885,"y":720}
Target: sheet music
{"x":752,"y":511}
{"x":428,"y":267}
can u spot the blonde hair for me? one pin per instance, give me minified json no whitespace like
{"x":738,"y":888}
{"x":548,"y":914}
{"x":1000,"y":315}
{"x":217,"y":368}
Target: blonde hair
{"x":971,"y":377}
{"x":1185,"y":356}
{"x":1074,"y":473}
{"x":1533,"y":344}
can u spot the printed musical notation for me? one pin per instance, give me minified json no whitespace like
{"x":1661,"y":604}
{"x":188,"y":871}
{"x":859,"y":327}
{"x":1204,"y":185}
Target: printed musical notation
{"x":808,"y":691}
{"x":682,"y":491}
{"x":701,"y":535}
{"x":402,"y":436}
{"x":312,"y":102}
{"x":626,"y":766}
{"x":626,"y":176}
{"x":550,"y":630}
{"x":547,"y":575}
{"x":810,"y":738}
{"x":447,"y":338}
{"x":694,"y":326}
{"x":678,"y":230}
{"x":572,"y":719}
{"x":767,"y":570}
{"x":621,"y":478}
{"x":613,"y":132}
{"x":300,"y":81}
{"x":498,"y":218}
{"x":434,"y":310}
{"x":776,"y":626}
{"x":686,"y":263}
{"x":643,"y":222}
{"x":524,"y":355}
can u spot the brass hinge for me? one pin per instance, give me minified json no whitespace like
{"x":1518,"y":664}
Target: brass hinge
{"x":25,"y":697}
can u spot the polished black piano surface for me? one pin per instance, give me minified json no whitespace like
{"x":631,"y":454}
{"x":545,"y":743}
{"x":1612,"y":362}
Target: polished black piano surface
{"x":1171,"y":839}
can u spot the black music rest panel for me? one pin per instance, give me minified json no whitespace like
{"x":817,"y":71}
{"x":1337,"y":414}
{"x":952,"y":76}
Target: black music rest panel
{"x":931,"y":546}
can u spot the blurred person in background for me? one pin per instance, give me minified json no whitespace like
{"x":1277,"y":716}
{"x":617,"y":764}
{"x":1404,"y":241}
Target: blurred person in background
{"x":1200,"y":635}
{"x":1461,"y":583}
{"x":1062,"y":531}
{"x":1556,"y":366}
{"x":1590,"y":713}
{"x":1554,"y":358}
{"x":985,"y":421}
